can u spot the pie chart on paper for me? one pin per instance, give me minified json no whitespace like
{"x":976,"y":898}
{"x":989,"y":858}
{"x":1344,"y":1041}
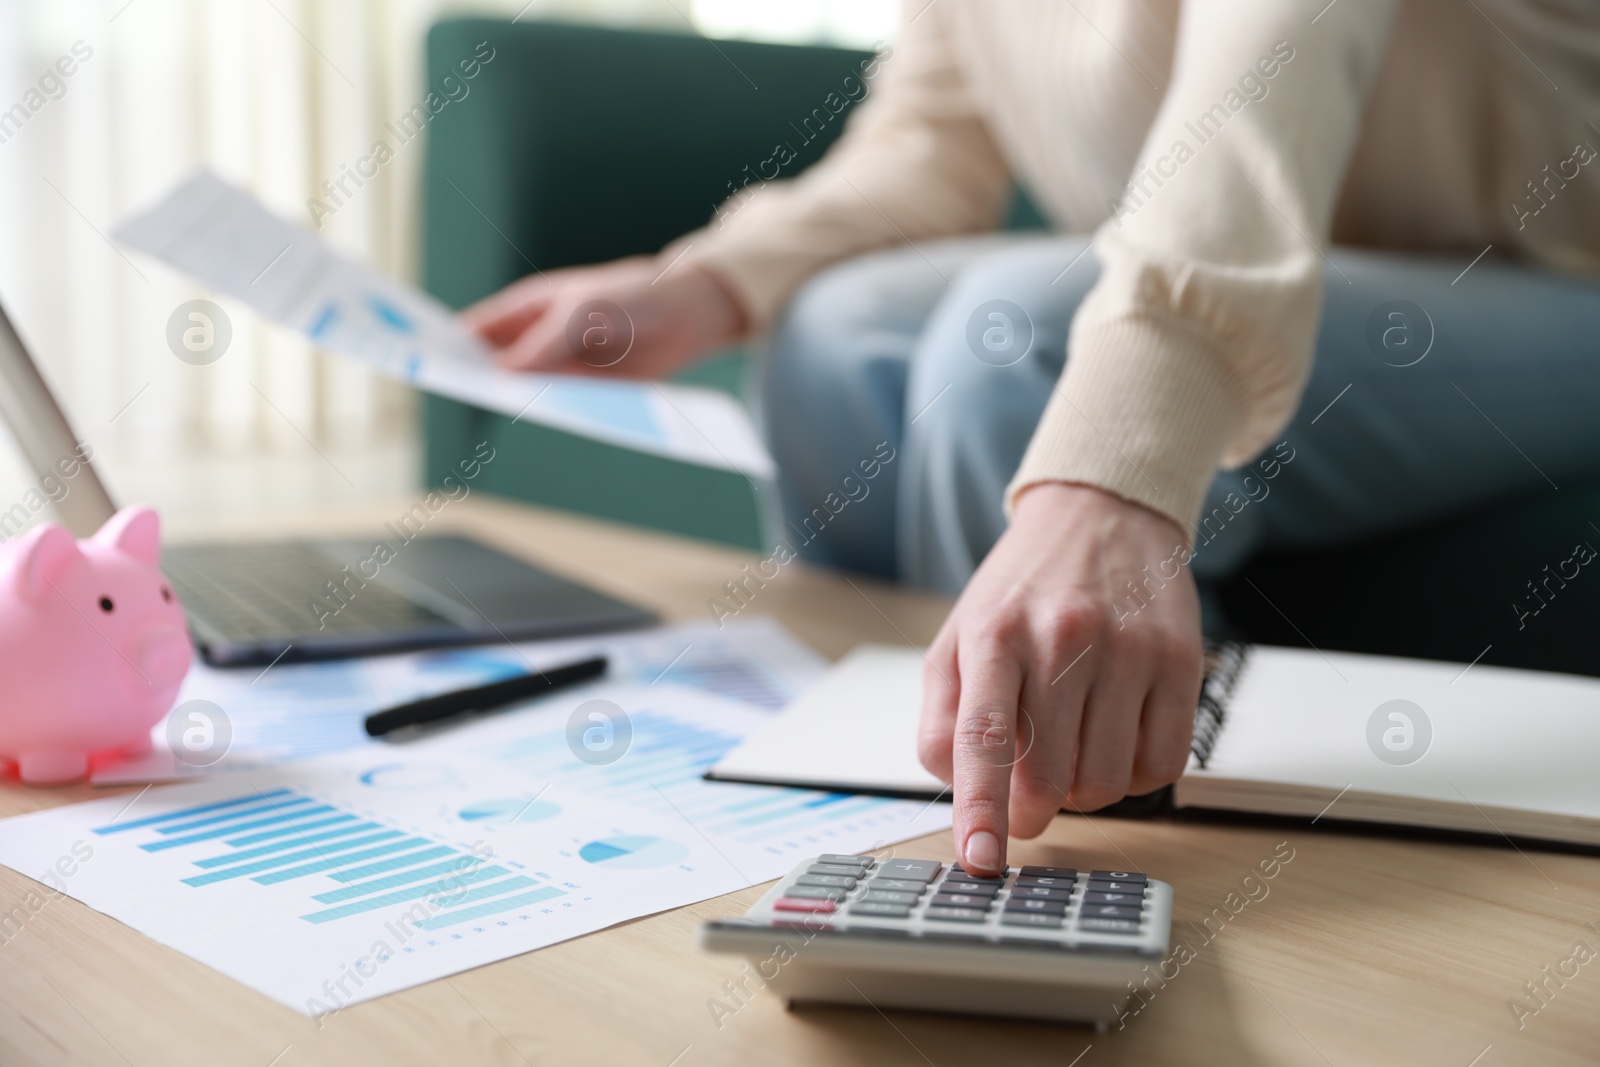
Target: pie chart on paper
{"x":408,"y":777}
{"x":633,"y":852}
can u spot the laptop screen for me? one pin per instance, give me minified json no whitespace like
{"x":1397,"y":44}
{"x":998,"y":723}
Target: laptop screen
{"x":47,"y":440}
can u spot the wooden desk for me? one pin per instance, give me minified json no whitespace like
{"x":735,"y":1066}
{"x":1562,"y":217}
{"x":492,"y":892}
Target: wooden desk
{"x":1364,"y":951}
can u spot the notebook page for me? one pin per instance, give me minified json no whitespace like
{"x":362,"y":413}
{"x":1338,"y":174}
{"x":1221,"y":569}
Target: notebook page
{"x":1492,"y":737}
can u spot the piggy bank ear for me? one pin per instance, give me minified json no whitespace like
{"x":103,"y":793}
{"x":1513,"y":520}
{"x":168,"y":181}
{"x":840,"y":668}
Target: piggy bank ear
{"x":134,"y":531}
{"x":39,"y":559}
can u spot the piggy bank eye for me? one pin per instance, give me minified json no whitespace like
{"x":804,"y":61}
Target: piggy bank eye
{"x":166,"y":594}
{"x":106,"y":605}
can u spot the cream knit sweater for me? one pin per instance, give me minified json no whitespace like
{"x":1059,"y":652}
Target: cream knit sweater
{"x":1215,"y":147}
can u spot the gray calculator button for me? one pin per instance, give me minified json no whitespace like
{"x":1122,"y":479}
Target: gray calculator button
{"x":985,"y":889}
{"x":849,"y":861}
{"x":959,"y":915}
{"x":1108,"y":911}
{"x":958,"y":875}
{"x":1109,"y":926}
{"x":1039,"y":892}
{"x":1030,"y":918}
{"x":834,"y":868}
{"x":814,"y":892}
{"x":1130,"y":900}
{"x":904,"y":885}
{"x":959,"y":900}
{"x":1049,"y":872}
{"x":838,"y":881}
{"x":882,"y":909}
{"x":1039,"y":907}
{"x":1101,"y":886}
{"x":1047,"y":882}
{"x":919,"y":870}
{"x":1118,"y":876}
{"x":880,"y":896}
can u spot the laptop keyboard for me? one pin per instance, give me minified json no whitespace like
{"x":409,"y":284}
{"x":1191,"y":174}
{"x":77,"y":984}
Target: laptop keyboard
{"x":279,"y":590}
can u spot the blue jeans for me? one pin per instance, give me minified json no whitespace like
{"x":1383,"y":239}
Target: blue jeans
{"x":1432,"y":393}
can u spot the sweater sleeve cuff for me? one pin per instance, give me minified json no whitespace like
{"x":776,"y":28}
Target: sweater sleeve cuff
{"x":756,"y":282}
{"x":1144,"y":410}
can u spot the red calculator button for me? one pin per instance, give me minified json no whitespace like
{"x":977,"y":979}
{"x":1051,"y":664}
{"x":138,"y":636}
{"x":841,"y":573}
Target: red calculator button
{"x":800,"y":904}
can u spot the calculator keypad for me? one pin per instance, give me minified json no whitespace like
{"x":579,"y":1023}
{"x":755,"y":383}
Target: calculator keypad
{"x":926,"y":898}
{"x":1035,"y":942}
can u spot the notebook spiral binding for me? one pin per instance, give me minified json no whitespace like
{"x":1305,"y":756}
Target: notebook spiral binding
{"x":1224,"y":662}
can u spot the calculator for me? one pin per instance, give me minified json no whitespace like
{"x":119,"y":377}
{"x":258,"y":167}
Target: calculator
{"x":1036,"y":942}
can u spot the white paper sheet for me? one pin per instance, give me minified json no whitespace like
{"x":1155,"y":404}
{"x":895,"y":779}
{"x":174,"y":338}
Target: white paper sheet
{"x":223,"y":237}
{"x":302,"y":710}
{"x":872,"y":696}
{"x":347,"y":877}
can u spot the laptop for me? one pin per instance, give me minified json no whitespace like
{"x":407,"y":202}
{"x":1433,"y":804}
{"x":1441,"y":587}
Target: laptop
{"x":323,"y":598}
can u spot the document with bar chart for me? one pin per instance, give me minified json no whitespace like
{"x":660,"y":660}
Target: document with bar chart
{"x":339,"y":879}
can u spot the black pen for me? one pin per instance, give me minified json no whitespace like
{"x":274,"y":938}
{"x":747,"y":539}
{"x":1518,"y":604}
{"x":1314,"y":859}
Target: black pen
{"x":483,"y":697}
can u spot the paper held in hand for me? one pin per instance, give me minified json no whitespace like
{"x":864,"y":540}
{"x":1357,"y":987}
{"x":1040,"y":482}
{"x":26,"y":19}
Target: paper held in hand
{"x":224,"y":238}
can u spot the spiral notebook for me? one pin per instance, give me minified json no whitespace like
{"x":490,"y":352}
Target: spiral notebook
{"x":1278,"y":731}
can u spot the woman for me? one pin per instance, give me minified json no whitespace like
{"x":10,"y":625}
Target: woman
{"x":1083,"y":428}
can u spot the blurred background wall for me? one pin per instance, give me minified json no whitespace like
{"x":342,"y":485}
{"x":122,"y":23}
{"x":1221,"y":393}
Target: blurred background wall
{"x":275,"y":95}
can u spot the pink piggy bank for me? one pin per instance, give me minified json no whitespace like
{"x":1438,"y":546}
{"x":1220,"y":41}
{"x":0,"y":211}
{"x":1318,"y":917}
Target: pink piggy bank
{"x":93,"y":645}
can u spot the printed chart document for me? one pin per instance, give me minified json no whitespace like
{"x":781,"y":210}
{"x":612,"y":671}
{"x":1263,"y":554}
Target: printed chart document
{"x":224,"y":238}
{"x":302,"y":710}
{"x":340,"y":879}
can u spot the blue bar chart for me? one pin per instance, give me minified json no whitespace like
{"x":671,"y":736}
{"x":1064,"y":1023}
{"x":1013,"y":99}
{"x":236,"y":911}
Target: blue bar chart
{"x":277,"y":836}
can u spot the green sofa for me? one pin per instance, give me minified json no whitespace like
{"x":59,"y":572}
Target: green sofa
{"x":578,"y":144}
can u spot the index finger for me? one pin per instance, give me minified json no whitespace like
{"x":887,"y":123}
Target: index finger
{"x":501,"y":317}
{"x":985,"y":749}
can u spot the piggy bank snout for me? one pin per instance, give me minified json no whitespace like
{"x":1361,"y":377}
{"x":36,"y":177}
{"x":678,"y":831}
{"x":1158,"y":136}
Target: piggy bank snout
{"x":163,"y":655}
